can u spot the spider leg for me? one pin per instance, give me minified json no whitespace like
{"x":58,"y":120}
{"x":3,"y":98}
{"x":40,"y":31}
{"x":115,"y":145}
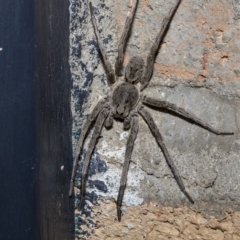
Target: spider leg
{"x":96,"y":132}
{"x":91,"y":118}
{"x":123,"y":39}
{"x":106,"y":62}
{"x":148,"y":69}
{"x":128,"y":153}
{"x":163,"y":104}
{"x":153,"y":127}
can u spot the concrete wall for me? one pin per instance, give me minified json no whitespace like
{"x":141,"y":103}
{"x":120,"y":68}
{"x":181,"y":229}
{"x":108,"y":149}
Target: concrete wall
{"x":197,"y":68}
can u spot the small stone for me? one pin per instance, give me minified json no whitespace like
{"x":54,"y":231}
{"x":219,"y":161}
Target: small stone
{"x":144,"y":212}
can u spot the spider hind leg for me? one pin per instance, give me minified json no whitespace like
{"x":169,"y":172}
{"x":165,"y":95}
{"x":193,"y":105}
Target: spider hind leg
{"x":124,"y":38}
{"x":106,"y":62}
{"x":148,"y":69}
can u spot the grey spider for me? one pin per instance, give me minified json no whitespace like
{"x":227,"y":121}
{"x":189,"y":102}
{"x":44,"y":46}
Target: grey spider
{"x":126,"y":102}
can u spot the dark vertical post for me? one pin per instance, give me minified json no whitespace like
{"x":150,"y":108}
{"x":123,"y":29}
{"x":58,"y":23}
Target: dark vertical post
{"x":17,"y":121}
{"x":54,"y":154}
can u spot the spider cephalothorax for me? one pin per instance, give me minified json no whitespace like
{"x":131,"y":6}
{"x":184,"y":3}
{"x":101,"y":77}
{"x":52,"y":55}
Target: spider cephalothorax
{"x":125,"y":97}
{"x":126,"y":103}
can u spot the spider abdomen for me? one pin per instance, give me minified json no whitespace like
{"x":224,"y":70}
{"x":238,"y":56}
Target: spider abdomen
{"x":124,"y":98}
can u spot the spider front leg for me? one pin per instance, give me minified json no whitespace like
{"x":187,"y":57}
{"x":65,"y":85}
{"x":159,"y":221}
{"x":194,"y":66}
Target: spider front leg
{"x":106,"y":62}
{"x":96,"y":133}
{"x":128,"y":153}
{"x":153,"y":127}
{"x":123,"y":39}
{"x":91,"y":118}
{"x":148,"y":69}
{"x":170,"y":106}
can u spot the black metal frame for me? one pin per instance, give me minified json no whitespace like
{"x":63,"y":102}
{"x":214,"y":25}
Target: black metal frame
{"x":17,"y":121}
{"x":55,"y":210}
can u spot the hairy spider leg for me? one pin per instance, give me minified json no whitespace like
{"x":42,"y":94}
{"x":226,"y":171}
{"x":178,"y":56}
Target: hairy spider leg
{"x":128,"y":153}
{"x":174,"y":108}
{"x":154,"y":129}
{"x":148,"y":69}
{"x":91,"y":118}
{"x":106,"y":62}
{"x":123,"y":39}
{"x":95,"y":135}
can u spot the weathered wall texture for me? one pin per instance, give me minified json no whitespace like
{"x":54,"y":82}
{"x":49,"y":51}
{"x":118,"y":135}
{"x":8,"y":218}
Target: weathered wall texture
{"x":198,"y":69}
{"x":155,"y":222}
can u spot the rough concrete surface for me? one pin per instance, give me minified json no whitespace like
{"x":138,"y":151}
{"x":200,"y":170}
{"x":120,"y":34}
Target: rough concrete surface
{"x":197,"y":68}
{"x":154,"y":222}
